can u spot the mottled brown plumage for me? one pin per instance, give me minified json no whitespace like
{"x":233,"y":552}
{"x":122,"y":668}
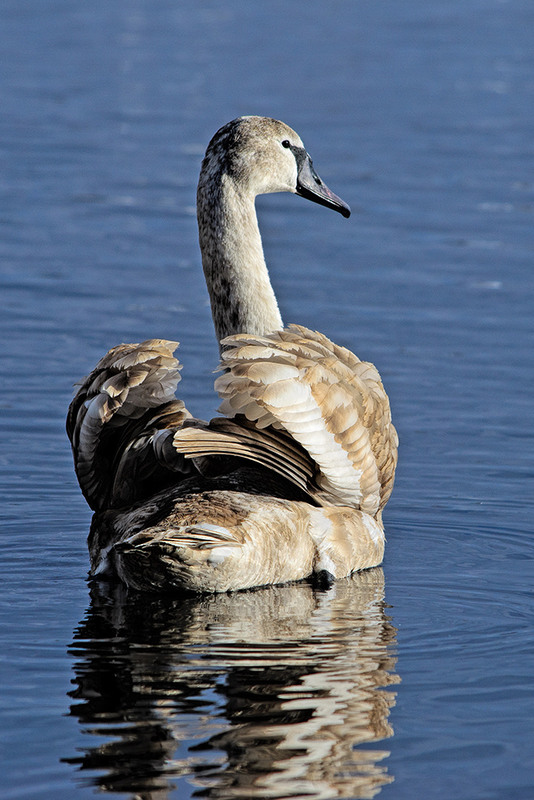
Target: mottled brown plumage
{"x":293,"y":478}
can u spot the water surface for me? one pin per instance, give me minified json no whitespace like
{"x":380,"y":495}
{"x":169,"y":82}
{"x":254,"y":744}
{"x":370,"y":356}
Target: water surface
{"x":415,"y":680}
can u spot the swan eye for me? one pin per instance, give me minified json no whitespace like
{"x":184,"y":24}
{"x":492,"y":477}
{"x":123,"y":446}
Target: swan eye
{"x":286,"y":143}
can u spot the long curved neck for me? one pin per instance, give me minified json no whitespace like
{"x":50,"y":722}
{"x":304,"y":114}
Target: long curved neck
{"x":241,"y":295}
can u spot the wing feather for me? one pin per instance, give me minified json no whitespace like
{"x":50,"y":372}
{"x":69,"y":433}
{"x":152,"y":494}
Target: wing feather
{"x":322,"y":395}
{"x":113,"y":418}
{"x":226,"y":437}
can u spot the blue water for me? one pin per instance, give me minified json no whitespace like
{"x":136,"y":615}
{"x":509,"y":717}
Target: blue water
{"x":415,"y":680}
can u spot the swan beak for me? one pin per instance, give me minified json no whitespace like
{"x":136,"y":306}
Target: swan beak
{"x":310,"y":186}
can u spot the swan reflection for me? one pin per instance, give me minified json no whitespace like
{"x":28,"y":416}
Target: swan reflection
{"x":264,"y":694}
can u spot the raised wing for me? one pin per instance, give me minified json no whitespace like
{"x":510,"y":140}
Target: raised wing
{"x":331,"y":403}
{"x":114,"y":419}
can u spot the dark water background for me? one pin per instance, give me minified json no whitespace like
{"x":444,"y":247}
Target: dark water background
{"x":415,"y":680}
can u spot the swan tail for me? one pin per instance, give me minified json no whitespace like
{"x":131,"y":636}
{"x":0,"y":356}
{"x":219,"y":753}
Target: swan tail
{"x":115,"y":423}
{"x":176,"y":557}
{"x":331,"y":403}
{"x":222,"y":541}
{"x":217,"y":541}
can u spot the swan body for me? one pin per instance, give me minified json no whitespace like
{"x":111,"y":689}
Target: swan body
{"x":292,"y":479}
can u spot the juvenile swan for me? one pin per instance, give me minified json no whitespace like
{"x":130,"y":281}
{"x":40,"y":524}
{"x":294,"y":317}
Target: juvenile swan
{"x":292,"y":480}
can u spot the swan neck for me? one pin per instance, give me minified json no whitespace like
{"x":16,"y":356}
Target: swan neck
{"x":242,"y":298}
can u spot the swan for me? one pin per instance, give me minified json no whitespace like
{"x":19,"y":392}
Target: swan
{"x":290,"y":482}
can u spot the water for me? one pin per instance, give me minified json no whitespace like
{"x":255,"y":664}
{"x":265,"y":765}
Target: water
{"x":257,"y":695}
{"x":415,"y":680}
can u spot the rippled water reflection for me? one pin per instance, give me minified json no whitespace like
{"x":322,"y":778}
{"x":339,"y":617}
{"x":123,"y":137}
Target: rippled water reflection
{"x":268,"y":693}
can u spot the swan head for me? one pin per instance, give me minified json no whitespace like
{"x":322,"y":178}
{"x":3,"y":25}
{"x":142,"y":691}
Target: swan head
{"x":263,"y":155}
